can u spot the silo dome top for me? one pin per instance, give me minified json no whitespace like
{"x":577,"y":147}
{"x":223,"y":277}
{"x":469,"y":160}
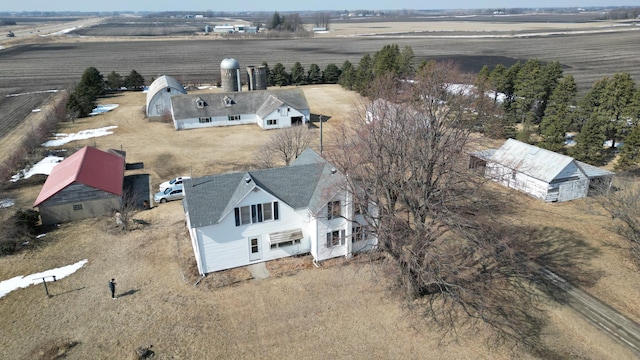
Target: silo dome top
{"x":229,"y":64}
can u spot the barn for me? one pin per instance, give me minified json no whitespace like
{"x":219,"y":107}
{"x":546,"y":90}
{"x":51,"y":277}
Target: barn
{"x":541,"y":173}
{"x":86,"y":184}
{"x":159,"y":95}
{"x":269,"y":109}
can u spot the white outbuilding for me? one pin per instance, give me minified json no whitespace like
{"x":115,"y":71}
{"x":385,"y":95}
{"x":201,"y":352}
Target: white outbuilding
{"x":159,"y":95}
{"x":541,"y":173}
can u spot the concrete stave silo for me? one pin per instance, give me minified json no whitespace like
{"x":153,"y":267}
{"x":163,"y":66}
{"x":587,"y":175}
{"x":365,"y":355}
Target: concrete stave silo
{"x":230,"y":75}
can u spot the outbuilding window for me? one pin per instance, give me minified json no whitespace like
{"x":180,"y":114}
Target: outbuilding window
{"x":234,"y":117}
{"x":272,"y":122}
{"x":77,"y":207}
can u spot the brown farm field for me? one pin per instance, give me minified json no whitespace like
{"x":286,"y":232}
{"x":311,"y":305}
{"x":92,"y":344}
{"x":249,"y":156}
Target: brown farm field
{"x":341,"y":310}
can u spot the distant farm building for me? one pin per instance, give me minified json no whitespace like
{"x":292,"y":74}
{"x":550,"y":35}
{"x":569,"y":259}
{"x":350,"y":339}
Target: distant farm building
{"x":159,"y":95}
{"x":540,"y":173}
{"x":88,"y":183}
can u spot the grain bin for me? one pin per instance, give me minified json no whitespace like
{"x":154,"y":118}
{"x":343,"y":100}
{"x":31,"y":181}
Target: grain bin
{"x":230,"y":74}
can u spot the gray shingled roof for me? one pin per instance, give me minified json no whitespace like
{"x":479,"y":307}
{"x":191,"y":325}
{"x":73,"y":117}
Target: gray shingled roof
{"x":531,"y":160}
{"x":251,"y":102}
{"x":308,"y":183}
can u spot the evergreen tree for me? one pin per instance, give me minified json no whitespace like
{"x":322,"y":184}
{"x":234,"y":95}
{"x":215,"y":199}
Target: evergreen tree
{"x":633,"y":110}
{"x":314,"y":75}
{"x":498,"y":81}
{"x":511,"y":77}
{"x":529,"y":91}
{"x":267,"y":71}
{"x":364,"y":75}
{"x":589,"y":104}
{"x":298,"y":77}
{"x":331,"y":74}
{"x":616,"y":99}
{"x":558,"y":115}
{"x":114,"y":81}
{"x":276,"y":21}
{"x":347,"y":75}
{"x":134,"y":80}
{"x":280,"y":75}
{"x":83,"y":99}
{"x":405,"y":65}
{"x":386,"y":61}
{"x":589,"y":142}
{"x":630,"y":153}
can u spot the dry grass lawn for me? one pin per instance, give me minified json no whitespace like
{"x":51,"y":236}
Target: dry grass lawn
{"x":342,"y":310}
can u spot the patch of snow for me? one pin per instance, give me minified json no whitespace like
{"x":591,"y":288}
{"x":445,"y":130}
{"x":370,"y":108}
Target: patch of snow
{"x":41,"y":236}
{"x":43,"y":166}
{"x":609,"y":142}
{"x":18,"y":282}
{"x":101,"y":109}
{"x":32,"y":92}
{"x":36,"y":110}
{"x":61,"y":138}
{"x":5,"y":203}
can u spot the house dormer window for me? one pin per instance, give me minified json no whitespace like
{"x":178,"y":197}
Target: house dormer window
{"x":228,"y":101}
{"x":199,"y":103}
{"x":333,"y":210}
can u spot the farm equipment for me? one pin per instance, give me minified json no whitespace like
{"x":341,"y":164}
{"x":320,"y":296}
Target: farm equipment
{"x":11,"y":34}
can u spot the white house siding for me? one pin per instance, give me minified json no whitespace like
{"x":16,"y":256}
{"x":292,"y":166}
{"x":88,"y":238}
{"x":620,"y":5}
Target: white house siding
{"x":226,"y":245}
{"x":517,"y":180}
{"x":194,"y":123}
{"x":282,"y":116}
{"x":160,"y":103}
{"x":325,"y":226}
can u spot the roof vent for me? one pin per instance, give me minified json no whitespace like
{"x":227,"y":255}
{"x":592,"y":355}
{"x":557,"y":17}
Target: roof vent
{"x":247,"y":179}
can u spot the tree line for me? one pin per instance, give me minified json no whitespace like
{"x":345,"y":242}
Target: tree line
{"x":92,"y":85}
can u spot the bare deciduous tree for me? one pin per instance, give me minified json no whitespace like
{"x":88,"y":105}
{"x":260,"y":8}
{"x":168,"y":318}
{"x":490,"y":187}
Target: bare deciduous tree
{"x":284,"y":146}
{"x":455,"y":263}
{"x":622,"y":203}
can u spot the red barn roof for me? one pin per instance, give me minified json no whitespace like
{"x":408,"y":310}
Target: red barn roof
{"x":88,"y":166}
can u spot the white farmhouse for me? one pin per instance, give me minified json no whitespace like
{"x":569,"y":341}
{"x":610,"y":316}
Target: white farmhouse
{"x":242,"y":218}
{"x":270,"y":109}
{"x":159,"y":95}
{"x":541,"y":173}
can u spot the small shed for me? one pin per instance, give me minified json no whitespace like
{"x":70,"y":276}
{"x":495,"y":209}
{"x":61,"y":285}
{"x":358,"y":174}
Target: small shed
{"x":86,"y":184}
{"x":159,"y":95}
{"x":541,"y":173}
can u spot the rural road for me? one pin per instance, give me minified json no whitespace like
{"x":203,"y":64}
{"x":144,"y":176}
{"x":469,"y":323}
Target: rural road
{"x":45,"y":29}
{"x":599,"y":314}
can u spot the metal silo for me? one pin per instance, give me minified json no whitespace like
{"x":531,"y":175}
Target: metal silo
{"x":260,"y":76}
{"x":230,"y":74}
{"x":251,"y":78}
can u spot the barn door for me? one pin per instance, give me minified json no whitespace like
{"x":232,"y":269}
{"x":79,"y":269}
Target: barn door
{"x":254,"y":249}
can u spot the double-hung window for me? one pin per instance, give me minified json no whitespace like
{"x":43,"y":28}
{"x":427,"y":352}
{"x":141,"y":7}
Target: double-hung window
{"x":335,"y":238}
{"x":333,"y":210}
{"x":257,"y":213}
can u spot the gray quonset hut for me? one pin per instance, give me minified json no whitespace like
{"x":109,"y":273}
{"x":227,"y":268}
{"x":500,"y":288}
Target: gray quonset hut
{"x":159,"y":95}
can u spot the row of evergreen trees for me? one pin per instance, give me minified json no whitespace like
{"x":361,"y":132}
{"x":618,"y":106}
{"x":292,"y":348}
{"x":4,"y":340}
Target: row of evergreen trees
{"x":93,"y":85}
{"x":545,"y":104}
